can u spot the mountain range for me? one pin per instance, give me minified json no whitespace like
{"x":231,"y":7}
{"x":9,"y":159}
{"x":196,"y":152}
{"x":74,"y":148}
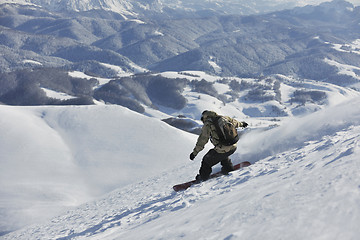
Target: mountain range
{"x":311,"y":42}
{"x":286,"y":42}
{"x":169,"y":8}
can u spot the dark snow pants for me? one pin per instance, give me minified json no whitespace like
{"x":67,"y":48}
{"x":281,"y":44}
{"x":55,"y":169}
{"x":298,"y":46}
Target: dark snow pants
{"x":212,"y":158}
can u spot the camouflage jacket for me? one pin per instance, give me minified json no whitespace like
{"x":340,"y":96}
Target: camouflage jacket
{"x":208,"y":132}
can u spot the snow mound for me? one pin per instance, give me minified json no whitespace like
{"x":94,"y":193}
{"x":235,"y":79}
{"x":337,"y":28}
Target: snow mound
{"x":53,"y":158}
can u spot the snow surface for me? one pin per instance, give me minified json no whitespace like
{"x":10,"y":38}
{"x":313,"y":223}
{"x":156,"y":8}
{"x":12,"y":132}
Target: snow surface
{"x":303,"y":182}
{"x":32,"y":62}
{"x":254,"y":109}
{"x":57,"y":95}
{"x":102,"y":81}
{"x":55,"y":157}
{"x":344,"y":69}
{"x":354,"y":47}
{"x":214,"y":65}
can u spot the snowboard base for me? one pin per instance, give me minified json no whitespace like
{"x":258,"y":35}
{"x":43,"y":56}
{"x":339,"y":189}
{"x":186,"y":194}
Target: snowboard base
{"x":184,"y":186}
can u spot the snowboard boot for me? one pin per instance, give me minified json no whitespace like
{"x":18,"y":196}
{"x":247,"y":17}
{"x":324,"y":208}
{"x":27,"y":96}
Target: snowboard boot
{"x":224,"y":171}
{"x":227,"y":166}
{"x":198,"y":179}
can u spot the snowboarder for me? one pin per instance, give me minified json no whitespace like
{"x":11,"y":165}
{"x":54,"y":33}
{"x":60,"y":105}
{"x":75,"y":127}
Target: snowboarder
{"x":220,"y":153}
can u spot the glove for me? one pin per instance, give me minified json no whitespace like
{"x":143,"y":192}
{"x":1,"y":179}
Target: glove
{"x":192,"y":156}
{"x":244,"y":124}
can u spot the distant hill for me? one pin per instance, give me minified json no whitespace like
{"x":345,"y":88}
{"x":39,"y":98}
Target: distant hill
{"x":119,"y":57}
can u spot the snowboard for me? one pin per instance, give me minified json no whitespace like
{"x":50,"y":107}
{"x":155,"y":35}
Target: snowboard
{"x":184,"y":186}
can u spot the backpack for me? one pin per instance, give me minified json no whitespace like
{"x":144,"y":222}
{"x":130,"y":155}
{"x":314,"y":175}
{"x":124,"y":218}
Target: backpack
{"x":225,"y":130}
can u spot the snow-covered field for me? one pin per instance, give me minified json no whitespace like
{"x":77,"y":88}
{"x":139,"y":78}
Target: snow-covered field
{"x":105,"y":172}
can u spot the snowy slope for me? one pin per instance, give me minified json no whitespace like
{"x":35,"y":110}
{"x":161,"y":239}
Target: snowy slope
{"x":54,"y":158}
{"x":57,"y":157}
{"x":304,"y":176}
{"x":255,"y":107}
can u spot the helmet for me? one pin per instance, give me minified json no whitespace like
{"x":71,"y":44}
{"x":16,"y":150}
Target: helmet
{"x":206,"y":114}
